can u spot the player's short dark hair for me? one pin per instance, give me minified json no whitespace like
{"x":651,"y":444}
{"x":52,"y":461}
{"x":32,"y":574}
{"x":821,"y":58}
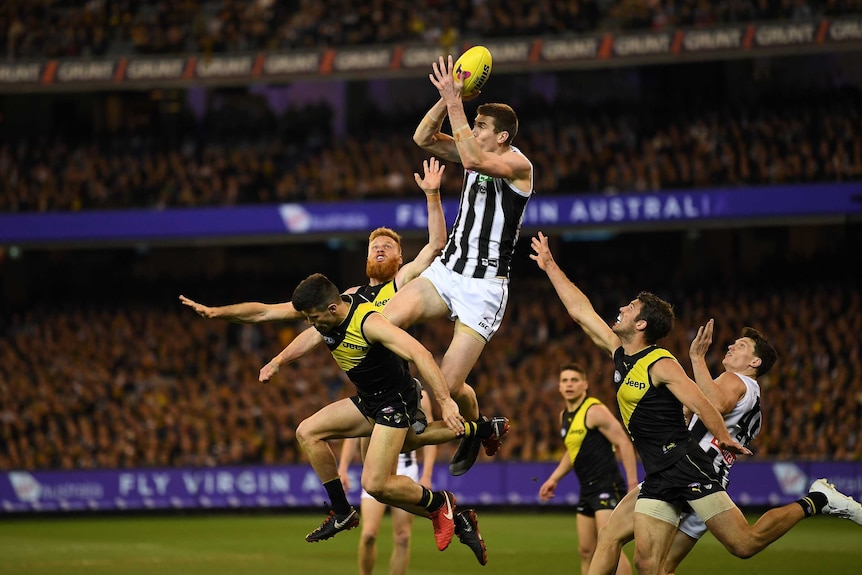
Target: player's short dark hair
{"x":762,"y":349}
{"x":505,"y":118}
{"x":315,"y":292}
{"x":658,"y":314}
{"x":573,"y":367}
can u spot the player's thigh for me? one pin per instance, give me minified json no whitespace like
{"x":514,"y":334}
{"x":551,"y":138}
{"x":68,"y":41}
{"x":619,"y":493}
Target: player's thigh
{"x":620,"y":525}
{"x":655,"y":526}
{"x":416,"y":302}
{"x":586,"y":533}
{"x":722,"y":517}
{"x":336,"y":420}
{"x":381,"y":459}
{"x":679,"y":549}
{"x":461,"y":357}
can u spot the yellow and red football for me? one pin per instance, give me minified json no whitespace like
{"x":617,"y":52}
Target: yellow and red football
{"x":473,"y":68}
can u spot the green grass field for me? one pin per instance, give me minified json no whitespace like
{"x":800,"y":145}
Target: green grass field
{"x":274,"y":544}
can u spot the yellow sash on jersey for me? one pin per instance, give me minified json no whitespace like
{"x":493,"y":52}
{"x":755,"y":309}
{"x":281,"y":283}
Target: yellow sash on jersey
{"x":354,"y":347}
{"x":637,"y":383}
{"x":578,"y":428}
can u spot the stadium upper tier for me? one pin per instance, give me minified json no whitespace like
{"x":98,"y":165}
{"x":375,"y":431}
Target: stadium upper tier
{"x":248,"y":155}
{"x":56,"y":28}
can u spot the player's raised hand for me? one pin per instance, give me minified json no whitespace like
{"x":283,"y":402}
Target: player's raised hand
{"x":202,"y":310}
{"x":430,"y":182}
{"x":443,"y":79}
{"x":543,"y":255}
{"x":701,"y":342}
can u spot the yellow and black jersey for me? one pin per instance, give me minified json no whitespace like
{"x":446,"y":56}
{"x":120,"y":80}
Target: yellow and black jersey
{"x":378,"y":295}
{"x":652,"y":415}
{"x":370,"y":366}
{"x":591,"y":453}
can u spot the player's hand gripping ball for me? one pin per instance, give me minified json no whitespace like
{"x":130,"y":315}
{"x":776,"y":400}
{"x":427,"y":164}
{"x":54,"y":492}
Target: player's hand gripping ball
{"x":473,"y":68}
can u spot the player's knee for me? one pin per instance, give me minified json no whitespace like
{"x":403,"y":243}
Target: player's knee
{"x":375,"y":488}
{"x":740,"y":548}
{"x":368,"y":539}
{"x":586,"y":552}
{"x":304,"y":433}
{"x":401,"y":538}
{"x":645,"y":563}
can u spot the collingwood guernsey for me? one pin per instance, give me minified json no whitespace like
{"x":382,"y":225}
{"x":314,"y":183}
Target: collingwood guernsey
{"x":489,"y":221}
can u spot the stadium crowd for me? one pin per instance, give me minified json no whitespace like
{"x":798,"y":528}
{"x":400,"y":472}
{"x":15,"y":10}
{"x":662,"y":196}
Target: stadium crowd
{"x":242,"y":156}
{"x":104,"y":387}
{"x":57,"y":28}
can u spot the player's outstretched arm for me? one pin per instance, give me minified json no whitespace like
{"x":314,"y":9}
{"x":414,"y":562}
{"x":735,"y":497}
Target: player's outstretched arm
{"x":246,"y":312}
{"x":301,"y":345}
{"x":668,"y":372}
{"x":430,"y":184}
{"x":577,"y":304}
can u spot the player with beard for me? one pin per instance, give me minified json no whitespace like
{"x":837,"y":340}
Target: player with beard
{"x":382,"y":266}
{"x":385,"y":276}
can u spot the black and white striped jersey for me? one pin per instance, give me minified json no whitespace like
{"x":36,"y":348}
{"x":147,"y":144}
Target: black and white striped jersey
{"x":487,"y":226}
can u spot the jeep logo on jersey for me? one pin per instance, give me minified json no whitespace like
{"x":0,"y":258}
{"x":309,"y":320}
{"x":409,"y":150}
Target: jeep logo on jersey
{"x":636,"y":384}
{"x":353,"y":346}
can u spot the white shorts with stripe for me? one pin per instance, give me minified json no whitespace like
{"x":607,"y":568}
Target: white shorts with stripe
{"x":478,"y":303}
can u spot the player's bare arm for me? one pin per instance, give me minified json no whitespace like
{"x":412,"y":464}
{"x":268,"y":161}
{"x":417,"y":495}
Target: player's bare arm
{"x":668,"y":372}
{"x":600,"y":417}
{"x":377,"y":328}
{"x":429,"y":183}
{"x":429,"y":137}
{"x":508,"y":165}
{"x":727,"y":389}
{"x":577,"y":304}
{"x":546,"y":491}
{"x":246,"y":312}
{"x":300,"y":346}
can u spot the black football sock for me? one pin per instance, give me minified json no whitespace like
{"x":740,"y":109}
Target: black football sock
{"x":335,"y":490}
{"x":813,"y":503}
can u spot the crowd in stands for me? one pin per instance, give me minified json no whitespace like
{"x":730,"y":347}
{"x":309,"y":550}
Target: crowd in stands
{"x":137,"y":385}
{"x":263,"y":159}
{"x":58,"y":28}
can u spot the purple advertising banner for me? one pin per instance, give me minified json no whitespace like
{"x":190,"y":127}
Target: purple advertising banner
{"x":753,"y":483}
{"x":324,"y":219}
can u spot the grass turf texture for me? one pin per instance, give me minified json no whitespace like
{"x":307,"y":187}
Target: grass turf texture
{"x":275,"y":544}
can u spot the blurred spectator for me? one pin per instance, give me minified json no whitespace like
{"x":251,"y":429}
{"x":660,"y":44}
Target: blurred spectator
{"x":248,"y":155}
{"x":140,"y":386}
{"x":52,"y":28}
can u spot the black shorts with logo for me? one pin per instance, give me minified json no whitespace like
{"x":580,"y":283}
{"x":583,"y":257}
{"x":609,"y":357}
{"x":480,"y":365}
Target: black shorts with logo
{"x":397,"y":408}
{"x":689,"y":479}
{"x":601,"y":495}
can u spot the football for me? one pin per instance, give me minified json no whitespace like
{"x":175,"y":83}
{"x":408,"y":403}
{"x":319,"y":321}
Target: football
{"x":473,"y":68}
